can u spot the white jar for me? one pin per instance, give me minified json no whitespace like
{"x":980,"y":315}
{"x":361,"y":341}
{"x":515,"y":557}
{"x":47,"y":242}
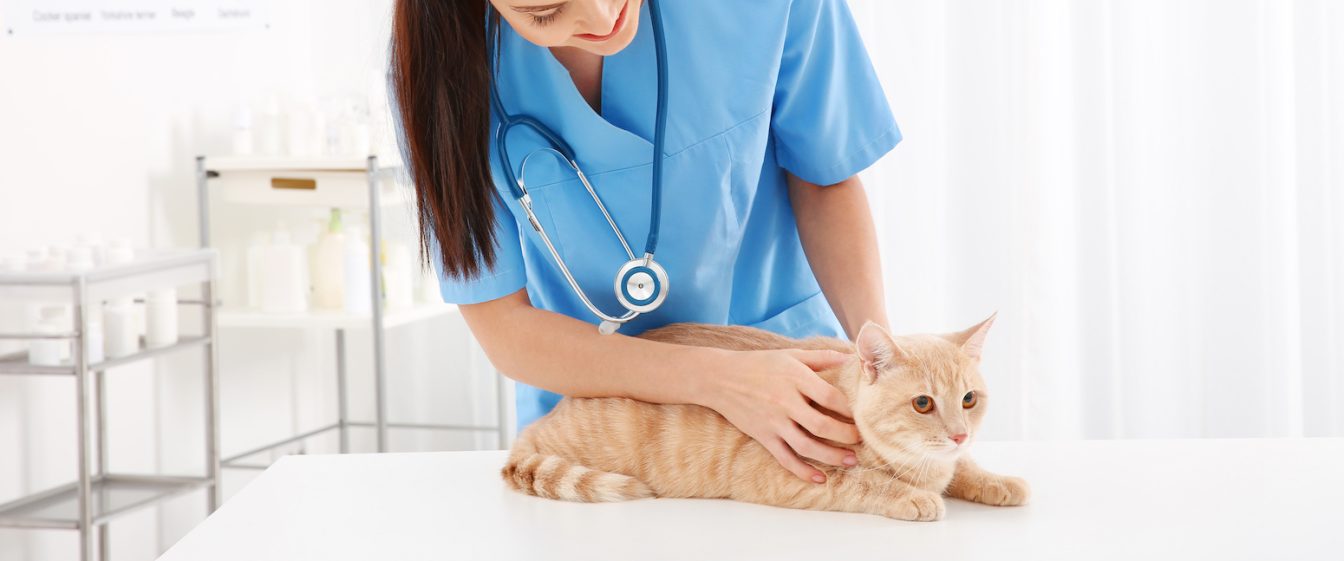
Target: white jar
{"x":93,"y":340}
{"x":161,"y":318}
{"x":49,"y":352}
{"x":13,"y":314}
{"x":284,"y":280}
{"x":119,"y":335}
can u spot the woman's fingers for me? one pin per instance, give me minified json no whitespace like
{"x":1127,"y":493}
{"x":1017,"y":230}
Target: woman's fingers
{"x":787,"y":458}
{"x":807,"y":446}
{"x":820,"y":360}
{"x":825,"y":426}
{"x":825,"y":395}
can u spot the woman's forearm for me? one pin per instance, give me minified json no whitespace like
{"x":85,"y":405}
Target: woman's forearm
{"x":561,"y":354}
{"x":836,"y":227}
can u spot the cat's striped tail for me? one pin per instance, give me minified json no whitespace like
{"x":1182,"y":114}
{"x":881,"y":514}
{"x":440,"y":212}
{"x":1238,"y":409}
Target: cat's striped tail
{"x":553,"y":477}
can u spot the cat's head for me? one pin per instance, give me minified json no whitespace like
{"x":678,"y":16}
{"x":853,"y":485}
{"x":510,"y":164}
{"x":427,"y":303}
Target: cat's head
{"x":920,"y":396}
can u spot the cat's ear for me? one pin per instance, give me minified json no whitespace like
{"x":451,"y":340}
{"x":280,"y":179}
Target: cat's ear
{"x":878,"y":350}
{"x":972,"y":341}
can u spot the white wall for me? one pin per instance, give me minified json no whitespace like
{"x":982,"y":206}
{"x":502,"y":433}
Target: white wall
{"x":1151,"y":194}
{"x":98,"y":134}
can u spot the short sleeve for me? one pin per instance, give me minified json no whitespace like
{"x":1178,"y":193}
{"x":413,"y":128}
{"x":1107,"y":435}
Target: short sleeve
{"x":831,"y":119}
{"x":504,"y":278}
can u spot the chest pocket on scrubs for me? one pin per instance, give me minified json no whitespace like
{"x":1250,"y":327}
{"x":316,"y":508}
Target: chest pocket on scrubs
{"x":579,"y":228}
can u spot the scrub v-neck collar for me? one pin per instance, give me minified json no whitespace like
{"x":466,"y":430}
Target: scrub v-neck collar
{"x":628,"y":88}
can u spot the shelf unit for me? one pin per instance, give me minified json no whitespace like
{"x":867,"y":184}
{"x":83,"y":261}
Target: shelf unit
{"x":97,"y":497}
{"x":326,"y":182}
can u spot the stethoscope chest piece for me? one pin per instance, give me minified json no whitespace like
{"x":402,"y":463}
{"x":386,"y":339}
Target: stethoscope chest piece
{"x":641,"y":285}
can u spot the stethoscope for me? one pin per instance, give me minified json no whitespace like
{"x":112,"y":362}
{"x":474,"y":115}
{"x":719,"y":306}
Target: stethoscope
{"x":641,"y":283}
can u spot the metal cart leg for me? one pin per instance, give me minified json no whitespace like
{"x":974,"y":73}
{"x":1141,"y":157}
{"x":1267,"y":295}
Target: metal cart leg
{"x":209,"y":328}
{"x":100,"y":399}
{"x":342,"y":415}
{"x":376,"y":268}
{"x":202,"y":201}
{"x":214,"y":492}
{"x":82,"y":426}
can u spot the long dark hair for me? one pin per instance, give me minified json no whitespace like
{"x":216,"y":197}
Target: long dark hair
{"x":440,"y":74}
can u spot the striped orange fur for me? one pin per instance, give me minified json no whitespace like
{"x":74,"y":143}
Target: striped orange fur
{"x":614,"y":449}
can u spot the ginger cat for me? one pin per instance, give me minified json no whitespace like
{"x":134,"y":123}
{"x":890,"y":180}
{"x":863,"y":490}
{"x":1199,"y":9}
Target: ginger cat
{"x":918,"y":401}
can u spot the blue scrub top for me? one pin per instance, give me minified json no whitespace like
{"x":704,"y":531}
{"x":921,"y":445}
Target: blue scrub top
{"x":755,"y":89}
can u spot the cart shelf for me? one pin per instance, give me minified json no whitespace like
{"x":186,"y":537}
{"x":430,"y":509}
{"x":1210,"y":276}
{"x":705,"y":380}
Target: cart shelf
{"x":111,"y":496}
{"x":87,"y":504}
{"x":18,"y":363}
{"x":153,"y":271}
{"x":317,"y":182}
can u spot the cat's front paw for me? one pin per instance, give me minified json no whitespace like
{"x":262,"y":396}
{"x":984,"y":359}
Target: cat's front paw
{"x":920,"y":506}
{"x":1002,"y":491}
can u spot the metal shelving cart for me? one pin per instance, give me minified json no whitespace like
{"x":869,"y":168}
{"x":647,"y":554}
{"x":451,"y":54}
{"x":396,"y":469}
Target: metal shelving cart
{"x":326,"y":182}
{"x":99,"y":496}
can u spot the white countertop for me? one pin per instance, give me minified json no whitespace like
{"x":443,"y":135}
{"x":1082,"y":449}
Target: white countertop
{"x":1156,"y":499}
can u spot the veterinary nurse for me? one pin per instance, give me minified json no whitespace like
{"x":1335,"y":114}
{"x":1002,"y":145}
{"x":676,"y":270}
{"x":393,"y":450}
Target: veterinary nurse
{"x":772,"y":109}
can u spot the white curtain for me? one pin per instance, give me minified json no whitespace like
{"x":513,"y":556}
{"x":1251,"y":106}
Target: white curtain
{"x":1151,"y":194}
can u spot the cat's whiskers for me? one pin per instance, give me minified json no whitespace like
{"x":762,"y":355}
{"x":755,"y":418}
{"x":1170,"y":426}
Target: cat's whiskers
{"x":910,"y":468}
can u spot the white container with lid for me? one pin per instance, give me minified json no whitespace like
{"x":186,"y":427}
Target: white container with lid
{"x":161,"y":318}
{"x":13,"y":314}
{"x":284,"y":284}
{"x":119,"y":334}
{"x":49,"y":352}
{"x":358,"y":294}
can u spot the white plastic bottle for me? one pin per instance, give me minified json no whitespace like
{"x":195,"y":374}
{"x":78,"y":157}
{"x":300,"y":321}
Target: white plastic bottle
{"x":398,"y":282}
{"x":242,"y":138}
{"x":119,"y":334}
{"x":358,"y":290}
{"x":121,"y":252}
{"x":284,"y":284}
{"x":121,"y":324}
{"x":269,"y":128}
{"x":328,"y":267}
{"x":161,"y":318}
{"x":95,"y":244}
{"x":49,"y":352}
{"x":255,"y":250}
{"x":81,"y":258}
{"x":93,"y":339}
{"x":13,"y":314}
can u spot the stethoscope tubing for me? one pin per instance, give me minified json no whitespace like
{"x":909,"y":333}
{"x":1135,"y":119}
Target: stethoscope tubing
{"x":562,"y":150}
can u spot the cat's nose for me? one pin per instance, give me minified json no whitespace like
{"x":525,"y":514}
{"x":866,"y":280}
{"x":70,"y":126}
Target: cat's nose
{"x":958,"y":438}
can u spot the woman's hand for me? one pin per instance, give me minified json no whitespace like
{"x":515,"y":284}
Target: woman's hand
{"x":766,"y":394}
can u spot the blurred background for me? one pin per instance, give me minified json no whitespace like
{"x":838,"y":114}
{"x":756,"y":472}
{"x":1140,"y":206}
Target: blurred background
{"x":1150,"y":193}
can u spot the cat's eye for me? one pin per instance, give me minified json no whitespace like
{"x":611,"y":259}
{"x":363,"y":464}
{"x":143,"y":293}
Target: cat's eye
{"x":968,"y":401}
{"x":922,"y":404}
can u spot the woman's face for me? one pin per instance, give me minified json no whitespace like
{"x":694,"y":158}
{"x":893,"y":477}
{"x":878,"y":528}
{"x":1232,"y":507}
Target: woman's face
{"x":601,"y":27}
